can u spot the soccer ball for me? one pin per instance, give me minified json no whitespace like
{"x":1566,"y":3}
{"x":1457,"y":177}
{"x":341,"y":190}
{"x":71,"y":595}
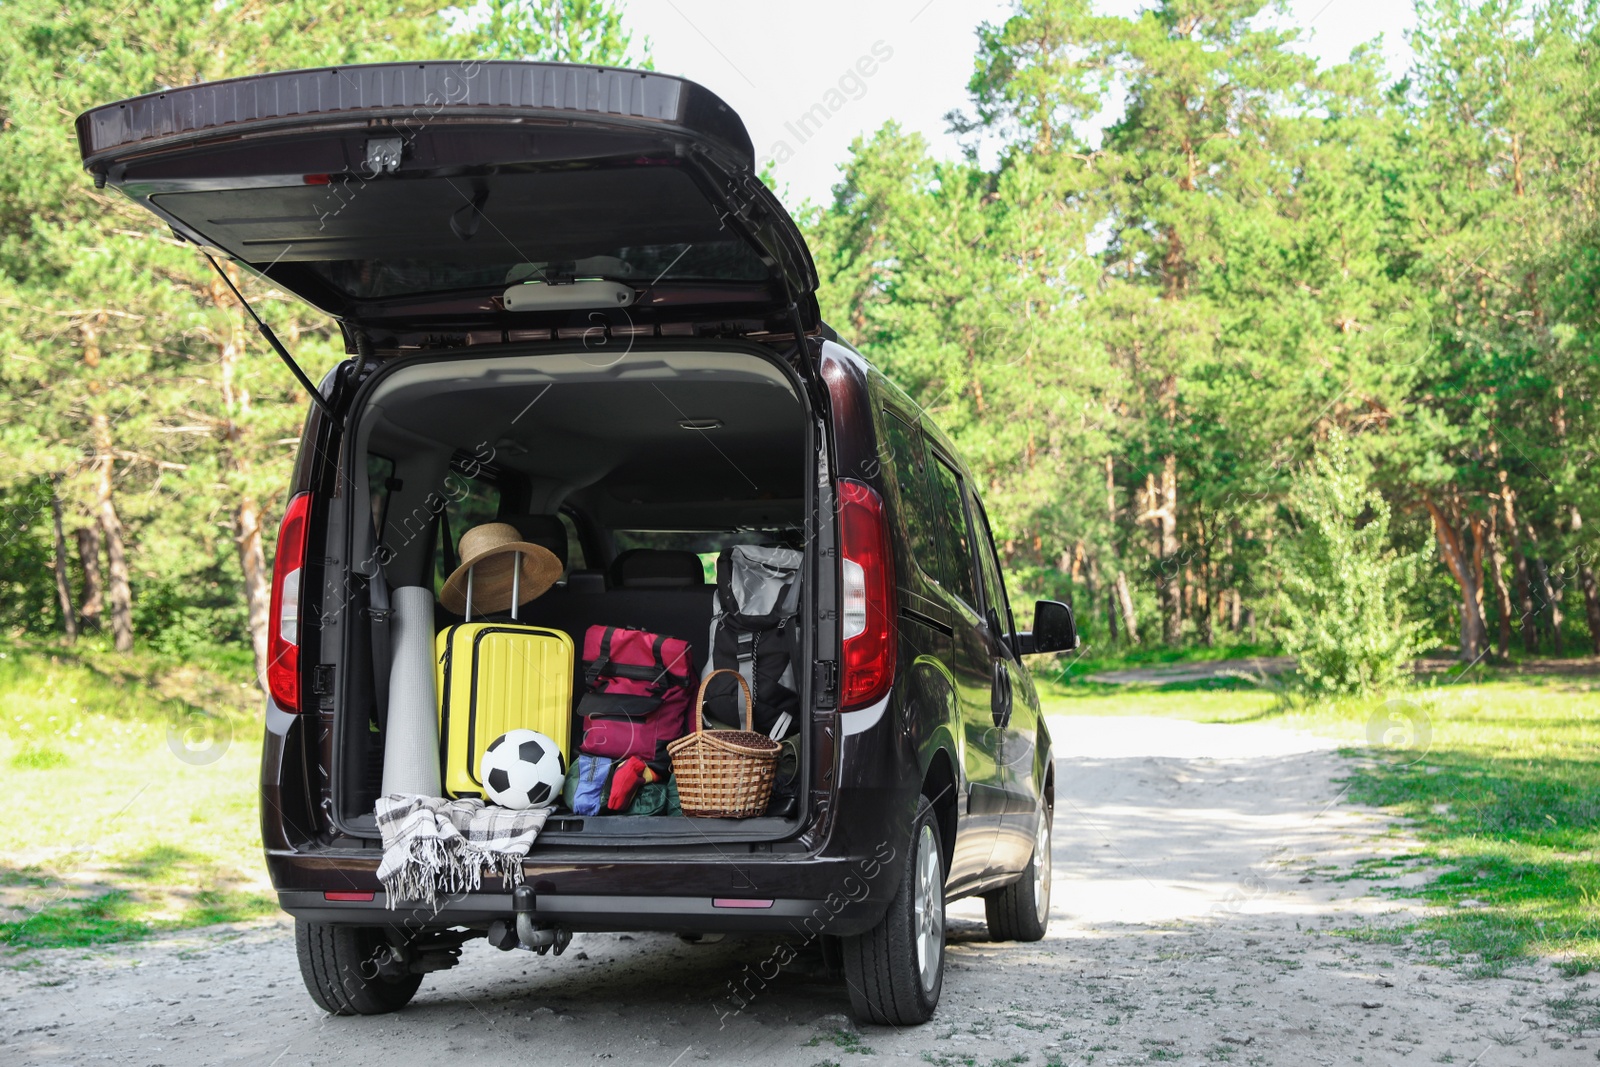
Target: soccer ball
{"x":522,"y":769}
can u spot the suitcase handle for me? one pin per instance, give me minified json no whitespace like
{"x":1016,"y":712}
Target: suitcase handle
{"x":516,"y":586}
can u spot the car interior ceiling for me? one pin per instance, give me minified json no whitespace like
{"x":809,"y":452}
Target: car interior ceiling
{"x":624,"y":472}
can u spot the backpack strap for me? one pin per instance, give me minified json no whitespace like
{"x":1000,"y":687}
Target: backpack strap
{"x":746,"y":654}
{"x":725,"y":598}
{"x":598,"y":665}
{"x":381,"y":615}
{"x":447,"y":544}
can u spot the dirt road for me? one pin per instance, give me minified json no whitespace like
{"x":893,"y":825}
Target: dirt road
{"x":1193,"y":918}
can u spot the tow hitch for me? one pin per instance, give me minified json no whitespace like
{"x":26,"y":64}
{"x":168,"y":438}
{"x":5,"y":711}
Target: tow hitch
{"x":521,"y":931}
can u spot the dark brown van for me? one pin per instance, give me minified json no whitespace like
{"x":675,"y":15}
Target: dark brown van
{"x":571,"y":305}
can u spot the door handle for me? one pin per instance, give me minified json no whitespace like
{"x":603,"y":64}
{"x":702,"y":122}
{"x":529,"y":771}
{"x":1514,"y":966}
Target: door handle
{"x":1000,"y":694}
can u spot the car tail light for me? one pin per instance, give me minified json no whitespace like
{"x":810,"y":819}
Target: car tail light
{"x":868,"y":593}
{"x":283,"y":620}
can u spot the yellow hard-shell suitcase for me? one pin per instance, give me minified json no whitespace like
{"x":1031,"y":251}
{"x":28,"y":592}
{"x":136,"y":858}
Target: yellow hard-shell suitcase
{"x":493,"y":677}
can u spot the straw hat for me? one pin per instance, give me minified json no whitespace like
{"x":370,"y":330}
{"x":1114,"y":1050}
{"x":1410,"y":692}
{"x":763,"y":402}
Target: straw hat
{"x":489,"y":552}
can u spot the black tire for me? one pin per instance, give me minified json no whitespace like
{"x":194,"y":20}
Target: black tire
{"x":1021,"y":910}
{"x":337,"y":965}
{"x":891,"y":981}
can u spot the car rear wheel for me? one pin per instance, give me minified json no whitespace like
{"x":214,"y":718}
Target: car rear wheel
{"x":1021,"y":910}
{"x":341,"y":972}
{"x":896,"y":970}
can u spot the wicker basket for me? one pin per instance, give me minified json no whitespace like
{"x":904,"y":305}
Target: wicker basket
{"x":724,"y":774}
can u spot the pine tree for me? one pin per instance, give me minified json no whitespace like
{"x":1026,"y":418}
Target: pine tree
{"x":1345,"y":615}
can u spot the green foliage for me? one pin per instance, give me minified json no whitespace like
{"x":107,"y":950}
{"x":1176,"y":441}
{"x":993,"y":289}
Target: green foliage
{"x":103,"y":315}
{"x":27,"y":587}
{"x":560,"y":31}
{"x":1344,"y":587}
{"x":1200,"y":252}
{"x":1197,"y":252}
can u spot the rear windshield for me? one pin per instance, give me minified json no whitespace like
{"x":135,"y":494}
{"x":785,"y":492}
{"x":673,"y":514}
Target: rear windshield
{"x":372,"y":279}
{"x":425,"y":235}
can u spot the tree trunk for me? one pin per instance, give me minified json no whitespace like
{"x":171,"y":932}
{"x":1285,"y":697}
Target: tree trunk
{"x":1091,"y":590}
{"x":69,"y":618}
{"x":1591,"y":604}
{"x":1112,"y":607}
{"x":1458,"y":557}
{"x":1129,"y":622}
{"x":111,"y":529}
{"x":1519,"y":561}
{"x":88,"y":538}
{"x":1591,"y":592}
{"x":1551,"y":608}
{"x":1167,"y":516}
{"x":257,"y":586}
{"x":1502,"y":595}
{"x":246,"y":512}
{"x":1271,"y":575}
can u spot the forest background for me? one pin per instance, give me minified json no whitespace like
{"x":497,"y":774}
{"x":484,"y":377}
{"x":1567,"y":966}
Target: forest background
{"x":1206,"y":283}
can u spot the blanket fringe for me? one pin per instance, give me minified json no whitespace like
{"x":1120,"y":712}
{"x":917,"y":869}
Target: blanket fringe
{"x":426,"y":856}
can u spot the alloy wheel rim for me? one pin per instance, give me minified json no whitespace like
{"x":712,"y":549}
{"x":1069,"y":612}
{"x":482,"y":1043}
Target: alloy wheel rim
{"x":1041,"y":867}
{"x":927,"y":908}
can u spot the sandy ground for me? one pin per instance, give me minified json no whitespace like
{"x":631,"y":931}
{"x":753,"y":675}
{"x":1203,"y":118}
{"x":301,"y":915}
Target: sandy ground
{"x":1194,"y":899}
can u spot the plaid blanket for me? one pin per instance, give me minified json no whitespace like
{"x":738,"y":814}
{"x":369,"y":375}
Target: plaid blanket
{"x":432,"y":845}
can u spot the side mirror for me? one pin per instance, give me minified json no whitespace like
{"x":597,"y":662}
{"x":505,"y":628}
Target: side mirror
{"x":1054,"y":630}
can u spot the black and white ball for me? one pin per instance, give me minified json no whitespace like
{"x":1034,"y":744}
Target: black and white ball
{"x":522,"y":769}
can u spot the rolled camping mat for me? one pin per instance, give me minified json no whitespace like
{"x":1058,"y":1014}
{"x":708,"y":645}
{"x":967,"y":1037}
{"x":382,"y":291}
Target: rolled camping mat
{"x":411,"y":747}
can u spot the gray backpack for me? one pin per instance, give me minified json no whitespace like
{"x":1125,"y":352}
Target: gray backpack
{"x":754,"y":632}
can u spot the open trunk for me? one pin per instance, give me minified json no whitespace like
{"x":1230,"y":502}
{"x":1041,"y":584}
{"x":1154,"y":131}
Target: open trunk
{"x":586,"y":224}
{"x":684,"y":449}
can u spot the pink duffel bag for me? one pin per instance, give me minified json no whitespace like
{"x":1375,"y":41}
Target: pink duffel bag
{"x":636,"y":692}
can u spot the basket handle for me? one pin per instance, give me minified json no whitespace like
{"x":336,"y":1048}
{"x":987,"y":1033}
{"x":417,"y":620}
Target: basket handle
{"x":700,"y":698}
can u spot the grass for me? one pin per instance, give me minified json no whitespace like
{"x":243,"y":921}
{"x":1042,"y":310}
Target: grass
{"x":1175,"y":701}
{"x":1070,"y":674}
{"x":109,"y":835}
{"x":848,"y":1040}
{"x":1496,"y":770}
{"x":1507,"y":802}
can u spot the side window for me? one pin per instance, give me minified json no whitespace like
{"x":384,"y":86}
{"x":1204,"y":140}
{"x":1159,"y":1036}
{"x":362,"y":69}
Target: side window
{"x":380,"y":483}
{"x":955,"y":556}
{"x":916,"y":508}
{"x":994,"y":586}
{"x":576,"y":560}
{"x":462,"y":511}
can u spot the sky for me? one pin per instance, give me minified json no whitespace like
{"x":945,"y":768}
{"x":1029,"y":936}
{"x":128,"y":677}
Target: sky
{"x":774,"y":62}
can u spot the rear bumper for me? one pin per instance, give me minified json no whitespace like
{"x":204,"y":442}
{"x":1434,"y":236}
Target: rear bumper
{"x":705,"y":893}
{"x":805,"y":918}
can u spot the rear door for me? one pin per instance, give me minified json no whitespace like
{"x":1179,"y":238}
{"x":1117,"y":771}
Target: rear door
{"x":469,"y":202}
{"x":985,"y":800}
{"x":1014,"y":707}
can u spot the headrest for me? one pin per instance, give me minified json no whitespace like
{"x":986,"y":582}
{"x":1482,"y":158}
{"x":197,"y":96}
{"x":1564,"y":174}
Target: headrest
{"x":656,"y":568}
{"x":586,"y":582}
{"x":546,"y":531}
